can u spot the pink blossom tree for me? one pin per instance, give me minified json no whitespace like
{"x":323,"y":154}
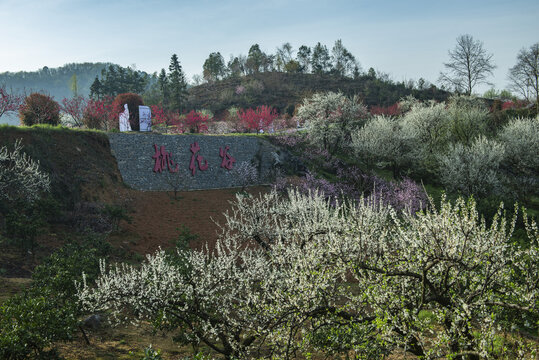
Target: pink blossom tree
{"x":75,"y":108}
{"x":9,"y":101}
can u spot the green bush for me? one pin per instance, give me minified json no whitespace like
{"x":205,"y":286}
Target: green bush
{"x":151,"y":354}
{"x":29,"y":325}
{"x":39,"y":109}
{"x":116,"y":213}
{"x":48,"y":312}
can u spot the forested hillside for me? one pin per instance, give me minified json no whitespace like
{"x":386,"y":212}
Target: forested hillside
{"x":285,"y":90}
{"x":57,"y":82}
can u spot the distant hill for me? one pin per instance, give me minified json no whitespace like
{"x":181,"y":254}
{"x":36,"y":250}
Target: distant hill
{"x":285,"y":90}
{"x":53,"y":81}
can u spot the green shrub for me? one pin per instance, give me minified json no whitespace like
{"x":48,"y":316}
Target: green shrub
{"x":39,"y":109}
{"x":48,"y":312}
{"x":29,"y":325}
{"x":23,"y":222}
{"x":151,"y":354}
{"x":116,"y":213}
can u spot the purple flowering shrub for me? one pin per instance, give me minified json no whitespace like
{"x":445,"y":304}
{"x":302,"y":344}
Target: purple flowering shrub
{"x":352,"y":184}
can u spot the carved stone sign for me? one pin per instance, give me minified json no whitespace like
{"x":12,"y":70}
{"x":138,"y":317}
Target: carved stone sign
{"x":145,"y":116}
{"x":124,"y":120}
{"x":147,"y":161}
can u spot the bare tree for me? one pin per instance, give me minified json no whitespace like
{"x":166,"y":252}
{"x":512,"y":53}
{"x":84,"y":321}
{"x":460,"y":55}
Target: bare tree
{"x":524,"y":76}
{"x":469,"y":65}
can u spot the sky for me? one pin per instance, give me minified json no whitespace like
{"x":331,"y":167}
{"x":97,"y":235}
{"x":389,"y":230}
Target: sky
{"x":407,"y":39}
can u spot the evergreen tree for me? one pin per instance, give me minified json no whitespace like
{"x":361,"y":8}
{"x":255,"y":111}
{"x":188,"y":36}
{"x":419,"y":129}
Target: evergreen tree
{"x":343,"y":61}
{"x":304,"y":58}
{"x":177,"y":84}
{"x":163,"y":85}
{"x":96,"y":89}
{"x":236,"y":66}
{"x":320,"y":60}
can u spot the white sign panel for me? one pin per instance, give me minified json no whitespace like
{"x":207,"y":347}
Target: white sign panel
{"x":124,"y":120}
{"x":145,"y":116}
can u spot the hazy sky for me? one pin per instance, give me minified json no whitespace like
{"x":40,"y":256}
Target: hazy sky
{"x":407,"y":39}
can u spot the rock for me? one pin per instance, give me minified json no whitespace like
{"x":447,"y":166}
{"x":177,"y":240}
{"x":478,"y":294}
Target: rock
{"x":93,"y":322}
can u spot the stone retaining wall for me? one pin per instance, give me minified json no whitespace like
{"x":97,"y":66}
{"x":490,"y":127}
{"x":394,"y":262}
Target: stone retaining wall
{"x":137,"y":159}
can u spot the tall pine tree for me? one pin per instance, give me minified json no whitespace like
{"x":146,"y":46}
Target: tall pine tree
{"x":177,"y":84}
{"x":162,"y":82}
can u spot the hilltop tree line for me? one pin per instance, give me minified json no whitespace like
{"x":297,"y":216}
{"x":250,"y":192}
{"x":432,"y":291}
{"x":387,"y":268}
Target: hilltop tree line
{"x":315,"y":60}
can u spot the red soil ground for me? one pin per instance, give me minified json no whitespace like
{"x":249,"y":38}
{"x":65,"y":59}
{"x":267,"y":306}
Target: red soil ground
{"x":157,"y":218}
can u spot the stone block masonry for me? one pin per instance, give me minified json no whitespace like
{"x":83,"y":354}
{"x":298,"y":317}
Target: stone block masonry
{"x":196,"y":169}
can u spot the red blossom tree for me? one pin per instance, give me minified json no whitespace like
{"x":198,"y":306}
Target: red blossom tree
{"x":75,"y":108}
{"x":160,"y":116}
{"x":9,"y":101}
{"x":196,"y":122}
{"x":257,"y":119}
{"x":98,"y":113}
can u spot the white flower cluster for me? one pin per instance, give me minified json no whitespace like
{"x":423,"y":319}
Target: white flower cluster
{"x":20,"y":176}
{"x":285,"y":268}
{"x":330,"y":117}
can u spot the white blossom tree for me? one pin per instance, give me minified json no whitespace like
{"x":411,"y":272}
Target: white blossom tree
{"x":381,"y":139}
{"x":521,"y":161}
{"x":472,"y":169}
{"x":331,"y":117}
{"x":20,"y":176}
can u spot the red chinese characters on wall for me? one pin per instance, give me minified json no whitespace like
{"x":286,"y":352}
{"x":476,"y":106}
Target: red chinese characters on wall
{"x":163,"y":158}
{"x":202,"y":167}
{"x":228,"y":160}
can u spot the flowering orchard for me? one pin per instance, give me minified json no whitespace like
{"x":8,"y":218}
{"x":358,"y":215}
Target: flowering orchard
{"x":311,"y":270}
